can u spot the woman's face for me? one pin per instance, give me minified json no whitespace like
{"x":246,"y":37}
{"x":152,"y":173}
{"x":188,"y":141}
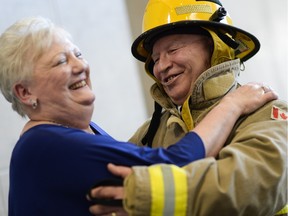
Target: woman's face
{"x":61,"y":83}
{"x":179,"y":61}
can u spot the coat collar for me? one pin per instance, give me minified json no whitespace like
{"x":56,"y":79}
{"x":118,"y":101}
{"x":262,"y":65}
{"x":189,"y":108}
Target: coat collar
{"x":210,"y":86}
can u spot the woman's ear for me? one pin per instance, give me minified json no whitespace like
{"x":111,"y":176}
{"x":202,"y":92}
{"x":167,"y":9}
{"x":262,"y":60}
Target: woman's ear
{"x":23,"y":94}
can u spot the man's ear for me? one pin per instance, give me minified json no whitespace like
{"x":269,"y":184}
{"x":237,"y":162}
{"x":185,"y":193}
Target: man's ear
{"x":22,"y":93}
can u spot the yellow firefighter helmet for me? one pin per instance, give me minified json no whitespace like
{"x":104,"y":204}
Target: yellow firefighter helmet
{"x":163,"y":17}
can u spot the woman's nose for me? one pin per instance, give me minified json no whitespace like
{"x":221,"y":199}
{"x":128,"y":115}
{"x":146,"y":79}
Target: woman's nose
{"x":79,"y":65}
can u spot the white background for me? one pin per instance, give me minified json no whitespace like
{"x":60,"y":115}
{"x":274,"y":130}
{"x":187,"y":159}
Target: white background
{"x":104,"y":31}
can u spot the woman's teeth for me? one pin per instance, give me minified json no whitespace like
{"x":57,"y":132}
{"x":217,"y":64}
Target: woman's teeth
{"x":78,"y":85}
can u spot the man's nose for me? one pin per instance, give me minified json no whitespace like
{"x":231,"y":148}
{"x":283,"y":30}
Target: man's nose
{"x":164,"y":63}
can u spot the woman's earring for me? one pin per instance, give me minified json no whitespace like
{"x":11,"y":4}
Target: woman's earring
{"x":34,"y":104}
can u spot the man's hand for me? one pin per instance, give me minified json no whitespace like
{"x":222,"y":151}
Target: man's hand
{"x":120,"y":171}
{"x":110,"y":192}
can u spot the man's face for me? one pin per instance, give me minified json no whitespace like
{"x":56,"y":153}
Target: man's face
{"x":179,"y":60}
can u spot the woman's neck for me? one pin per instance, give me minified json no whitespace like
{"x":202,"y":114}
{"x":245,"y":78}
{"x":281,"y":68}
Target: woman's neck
{"x":33,"y":122}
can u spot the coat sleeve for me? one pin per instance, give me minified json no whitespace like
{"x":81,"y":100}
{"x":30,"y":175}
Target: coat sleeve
{"x":248,"y":178}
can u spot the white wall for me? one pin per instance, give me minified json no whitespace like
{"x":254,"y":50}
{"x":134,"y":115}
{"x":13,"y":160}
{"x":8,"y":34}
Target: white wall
{"x":268,"y":21}
{"x":102,"y":30}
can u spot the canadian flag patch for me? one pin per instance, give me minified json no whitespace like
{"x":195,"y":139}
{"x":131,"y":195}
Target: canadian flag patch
{"x":279,"y":114}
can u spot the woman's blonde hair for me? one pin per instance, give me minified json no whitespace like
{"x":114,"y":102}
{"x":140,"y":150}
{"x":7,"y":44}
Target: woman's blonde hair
{"x":21,"y":45}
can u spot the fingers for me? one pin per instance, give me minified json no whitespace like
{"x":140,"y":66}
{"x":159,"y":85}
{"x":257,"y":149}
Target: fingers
{"x":249,"y":97}
{"x":107,"y":210}
{"x":108,"y":192}
{"x":269,"y":94}
{"x":121,"y":171}
{"x":265,"y":89}
{"x":269,"y":91}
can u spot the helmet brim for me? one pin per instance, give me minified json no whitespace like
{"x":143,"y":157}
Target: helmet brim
{"x":141,"y":47}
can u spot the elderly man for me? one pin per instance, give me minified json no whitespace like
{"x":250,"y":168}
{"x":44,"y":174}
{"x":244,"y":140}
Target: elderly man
{"x":194,"y":54}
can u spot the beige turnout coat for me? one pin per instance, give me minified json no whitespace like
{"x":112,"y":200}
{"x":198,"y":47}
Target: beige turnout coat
{"x":249,"y":176}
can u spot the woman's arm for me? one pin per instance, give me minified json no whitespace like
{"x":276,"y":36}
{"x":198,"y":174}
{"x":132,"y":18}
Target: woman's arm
{"x":217,"y":125}
{"x":213,"y":130}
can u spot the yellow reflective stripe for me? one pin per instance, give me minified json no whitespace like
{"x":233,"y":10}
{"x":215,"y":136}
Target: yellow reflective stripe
{"x":283,"y":211}
{"x":157,"y":190}
{"x":181,"y":187}
{"x":168,"y":190}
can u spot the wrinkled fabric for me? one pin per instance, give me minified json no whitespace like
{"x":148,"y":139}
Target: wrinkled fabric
{"x":249,"y":176}
{"x":53,"y":167}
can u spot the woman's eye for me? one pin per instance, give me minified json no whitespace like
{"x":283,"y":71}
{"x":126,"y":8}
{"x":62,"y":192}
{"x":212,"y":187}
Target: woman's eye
{"x":78,"y":54}
{"x":62,"y":61}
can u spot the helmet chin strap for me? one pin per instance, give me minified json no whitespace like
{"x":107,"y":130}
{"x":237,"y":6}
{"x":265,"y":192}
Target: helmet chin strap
{"x":155,"y":121}
{"x":227,"y":40}
{"x":154,"y":124}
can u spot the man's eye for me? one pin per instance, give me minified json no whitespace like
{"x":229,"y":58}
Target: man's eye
{"x":172,"y":50}
{"x":155,"y":60}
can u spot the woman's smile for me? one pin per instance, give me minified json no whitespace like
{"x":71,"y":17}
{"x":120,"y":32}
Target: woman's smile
{"x":78,"y":85}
